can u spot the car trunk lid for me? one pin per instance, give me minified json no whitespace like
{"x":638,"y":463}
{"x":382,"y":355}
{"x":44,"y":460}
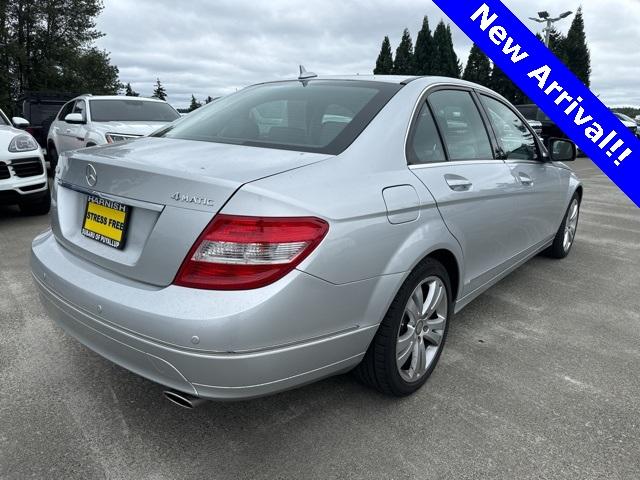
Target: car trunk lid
{"x":173,"y":189}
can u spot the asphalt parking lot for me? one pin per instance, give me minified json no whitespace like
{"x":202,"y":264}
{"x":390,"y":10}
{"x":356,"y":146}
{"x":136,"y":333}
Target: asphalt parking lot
{"x":539,"y":379}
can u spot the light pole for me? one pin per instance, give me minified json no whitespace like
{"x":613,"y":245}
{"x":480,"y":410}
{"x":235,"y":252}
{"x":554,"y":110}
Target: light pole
{"x":546,"y":18}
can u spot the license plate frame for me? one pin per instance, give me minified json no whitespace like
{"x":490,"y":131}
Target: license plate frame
{"x":106,"y":221}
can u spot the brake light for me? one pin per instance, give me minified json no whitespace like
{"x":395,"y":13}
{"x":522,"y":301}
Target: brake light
{"x":242,"y":253}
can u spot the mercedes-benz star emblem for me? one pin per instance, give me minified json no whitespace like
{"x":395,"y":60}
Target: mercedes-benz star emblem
{"x":91,"y":176}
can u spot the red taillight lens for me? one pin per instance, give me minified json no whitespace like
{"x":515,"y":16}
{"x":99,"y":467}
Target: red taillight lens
{"x":241,"y":253}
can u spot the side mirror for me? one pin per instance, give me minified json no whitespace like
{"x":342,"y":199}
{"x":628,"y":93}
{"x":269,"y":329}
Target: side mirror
{"x":20,"y":122}
{"x":74,"y":118}
{"x":562,"y":150}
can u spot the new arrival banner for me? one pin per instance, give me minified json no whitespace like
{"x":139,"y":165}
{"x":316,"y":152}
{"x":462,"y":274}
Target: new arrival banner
{"x":545,"y":79}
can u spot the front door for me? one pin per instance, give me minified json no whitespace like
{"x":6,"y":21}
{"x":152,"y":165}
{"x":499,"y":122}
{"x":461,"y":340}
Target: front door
{"x":541,"y":190}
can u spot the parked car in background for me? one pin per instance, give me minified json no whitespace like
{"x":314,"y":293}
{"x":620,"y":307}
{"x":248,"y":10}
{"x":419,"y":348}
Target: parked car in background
{"x":299,"y":229}
{"x":90,"y":120}
{"x":544,"y":126}
{"x":23,"y":176}
{"x":536,"y":126}
{"x":40,"y":108}
{"x":549,"y":128}
{"x":628,"y":122}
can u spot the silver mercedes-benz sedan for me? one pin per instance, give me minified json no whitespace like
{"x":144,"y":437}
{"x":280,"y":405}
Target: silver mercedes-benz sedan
{"x":299,"y":229}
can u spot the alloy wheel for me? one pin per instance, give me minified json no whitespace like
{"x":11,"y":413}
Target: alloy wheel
{"x":422,"y":328}
{"x":571,"y":225}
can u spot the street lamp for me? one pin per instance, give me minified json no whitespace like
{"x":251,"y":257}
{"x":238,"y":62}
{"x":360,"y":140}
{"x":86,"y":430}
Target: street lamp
{"x":546,"y":18}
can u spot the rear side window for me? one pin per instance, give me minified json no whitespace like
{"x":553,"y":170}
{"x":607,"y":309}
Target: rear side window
{"x":461,"y":125}
{"x":424,"y":144}
{"x":318,"y":116}
{"x":514,"y":136}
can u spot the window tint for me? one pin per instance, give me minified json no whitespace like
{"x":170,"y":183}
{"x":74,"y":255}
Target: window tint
{"x":66,"y":110}
{"x":322,"y":116}
{"x":128,"y":110}
{"x":424,"y":144}
{"x":461,"y":125}
{"x":514,"y":136}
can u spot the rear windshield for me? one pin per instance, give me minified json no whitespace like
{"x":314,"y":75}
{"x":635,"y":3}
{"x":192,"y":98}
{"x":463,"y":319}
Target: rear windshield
{"x":131,"y":111}
{"x":318,"y":116}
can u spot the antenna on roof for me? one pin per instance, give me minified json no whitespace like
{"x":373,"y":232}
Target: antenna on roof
{"x":304,"y":75}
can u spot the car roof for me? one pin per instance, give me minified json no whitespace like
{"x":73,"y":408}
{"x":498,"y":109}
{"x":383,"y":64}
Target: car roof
{"x":115,"y":97}
{"x":424,"y":81}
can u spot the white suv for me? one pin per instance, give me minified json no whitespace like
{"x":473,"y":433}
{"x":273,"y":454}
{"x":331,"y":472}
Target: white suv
{"x":90,"y":120}
{"x":23,"y":176}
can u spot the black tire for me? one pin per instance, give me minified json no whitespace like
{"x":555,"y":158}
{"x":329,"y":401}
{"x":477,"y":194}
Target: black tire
{"x":558,"y":249}
{"x":39,"y":207}
{"x":378,"y":368}
{"x":52,"y":155}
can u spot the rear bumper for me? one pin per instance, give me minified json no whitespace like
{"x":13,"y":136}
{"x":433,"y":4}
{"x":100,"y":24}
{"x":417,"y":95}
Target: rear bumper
{"x":209,"y":374}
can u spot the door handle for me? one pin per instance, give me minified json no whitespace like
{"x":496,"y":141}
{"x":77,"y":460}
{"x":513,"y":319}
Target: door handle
{"x":525,"y":179}
{"x":458,"y":183}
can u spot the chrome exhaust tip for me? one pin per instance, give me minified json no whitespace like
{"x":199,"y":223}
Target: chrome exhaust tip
{"x":183,"y":400}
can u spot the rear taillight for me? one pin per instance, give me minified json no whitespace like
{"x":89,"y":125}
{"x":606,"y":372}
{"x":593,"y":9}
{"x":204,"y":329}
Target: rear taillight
{"x":241,"y":253}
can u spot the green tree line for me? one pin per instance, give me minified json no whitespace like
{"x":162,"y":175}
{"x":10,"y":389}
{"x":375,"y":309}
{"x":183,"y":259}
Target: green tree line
{"x":434,"y":54}
{"x":48,"y":45}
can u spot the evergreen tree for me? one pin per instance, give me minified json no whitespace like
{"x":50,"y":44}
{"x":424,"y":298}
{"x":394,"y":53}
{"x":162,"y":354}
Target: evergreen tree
{"x":384,"y":64}
{"x":195,"y":104}
{"x":49,"y":45}
{"x":130,"y":92}
{"x":478,"y":67}
{"x":208,"y":100}
{"x":448,"y":64}
{"x":576,"y":52}
{"x":502,"y":84}
{"x":557,"y":43}
{"x":424,"y":55}
{"x":403,"y":64}
{"x":159,"y":91}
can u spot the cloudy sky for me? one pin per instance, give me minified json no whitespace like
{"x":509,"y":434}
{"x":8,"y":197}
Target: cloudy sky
{"x":213,"y":47}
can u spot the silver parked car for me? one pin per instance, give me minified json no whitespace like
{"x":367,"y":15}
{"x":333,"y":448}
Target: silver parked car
{"x":299,"y":229}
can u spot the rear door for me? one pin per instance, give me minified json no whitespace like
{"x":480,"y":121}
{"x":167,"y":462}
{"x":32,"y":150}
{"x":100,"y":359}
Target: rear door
{"x":541,"y":193}
{"x":453,"y":156}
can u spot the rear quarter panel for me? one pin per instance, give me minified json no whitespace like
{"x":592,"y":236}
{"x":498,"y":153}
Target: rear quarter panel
{"x":346,"y":190}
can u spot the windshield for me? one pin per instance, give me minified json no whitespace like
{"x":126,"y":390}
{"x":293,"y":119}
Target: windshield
{"x":3,"y":119}
{"x":321,"y":116}
{"x":126,"y":110}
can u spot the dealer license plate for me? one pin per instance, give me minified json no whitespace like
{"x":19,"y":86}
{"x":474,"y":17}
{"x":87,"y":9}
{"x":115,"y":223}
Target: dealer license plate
{"x":106,"y":221}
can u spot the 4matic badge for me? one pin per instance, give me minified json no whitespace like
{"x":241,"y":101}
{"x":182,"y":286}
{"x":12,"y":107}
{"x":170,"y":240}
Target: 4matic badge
{"x":186,"y":198}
